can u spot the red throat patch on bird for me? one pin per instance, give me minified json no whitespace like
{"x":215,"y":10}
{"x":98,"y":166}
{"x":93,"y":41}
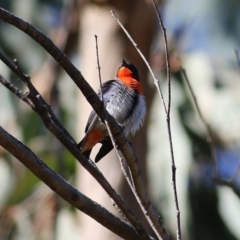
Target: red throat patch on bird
{"x":124,"y":100}
{"x":126,"y":76}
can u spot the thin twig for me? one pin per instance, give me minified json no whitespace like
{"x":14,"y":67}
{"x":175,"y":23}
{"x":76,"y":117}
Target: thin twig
{"x":8,"y":62}
{"x":16,"y":91}
{"x":106,"y":123}
{"x":138,"y":189}
{"x":14,"y":66}
{"x":10,"y":86}
{"x":142,"y":234}
{"x":53,"y":124}
{"x":156,"y":81}
{"x":99,"y":68}
{"x":166,"y":55}
{"x":141,"y":195}
{"x":169,"y":123}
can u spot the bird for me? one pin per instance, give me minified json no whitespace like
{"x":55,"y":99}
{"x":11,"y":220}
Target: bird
{"x":123,"y":99}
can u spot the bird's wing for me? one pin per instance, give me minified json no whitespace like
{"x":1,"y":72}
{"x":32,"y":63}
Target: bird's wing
{"x":93,"y":117}
{"x":106,"y":147}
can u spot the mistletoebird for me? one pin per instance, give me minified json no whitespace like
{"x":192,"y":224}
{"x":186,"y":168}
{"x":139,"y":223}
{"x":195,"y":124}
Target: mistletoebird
{"x":123,"y":99}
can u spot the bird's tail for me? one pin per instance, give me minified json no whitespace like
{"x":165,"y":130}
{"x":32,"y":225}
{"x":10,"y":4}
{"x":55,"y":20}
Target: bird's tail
{"x":86,"y":153}
{"x":88,"y":143}
{"x":106,"y":147}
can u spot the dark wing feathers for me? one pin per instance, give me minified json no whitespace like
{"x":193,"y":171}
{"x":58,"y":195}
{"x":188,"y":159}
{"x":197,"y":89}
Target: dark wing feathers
{"x":93,"y":116}
{"x":106,"y":147}
{"x":106,"y":144}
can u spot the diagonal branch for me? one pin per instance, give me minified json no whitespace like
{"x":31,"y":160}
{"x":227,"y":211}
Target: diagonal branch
{"x":63,"y":188}
{"x":143,"y":234}
{"x":140,"y":191}
{"x":169,"y":124}
{"x":16,"y":91}
{"x":99,"y":69}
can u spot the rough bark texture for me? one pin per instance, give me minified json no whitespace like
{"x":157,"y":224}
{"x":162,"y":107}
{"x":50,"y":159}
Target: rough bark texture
{"x":95,"y":18}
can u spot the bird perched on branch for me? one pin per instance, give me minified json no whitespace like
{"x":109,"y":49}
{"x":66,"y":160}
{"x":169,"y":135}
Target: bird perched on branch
{"x":123,"y":99}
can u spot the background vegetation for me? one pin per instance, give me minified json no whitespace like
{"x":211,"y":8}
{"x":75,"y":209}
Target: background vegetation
{"x":203,"y":38}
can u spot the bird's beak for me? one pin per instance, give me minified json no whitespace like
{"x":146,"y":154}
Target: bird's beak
{"x":123,"y":64}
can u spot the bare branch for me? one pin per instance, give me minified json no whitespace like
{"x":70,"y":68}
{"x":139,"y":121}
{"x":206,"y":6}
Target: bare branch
{"x":142,"y":234}
{"x":152,"y":217}
{"x":169,"y":124}
{"x":63,"y":188}
{"x":14,"y":66}
{"x":10,"y":86}
{"x":166,"y":55}
{"x":99,"y":69}
{"x":16,"y":91}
